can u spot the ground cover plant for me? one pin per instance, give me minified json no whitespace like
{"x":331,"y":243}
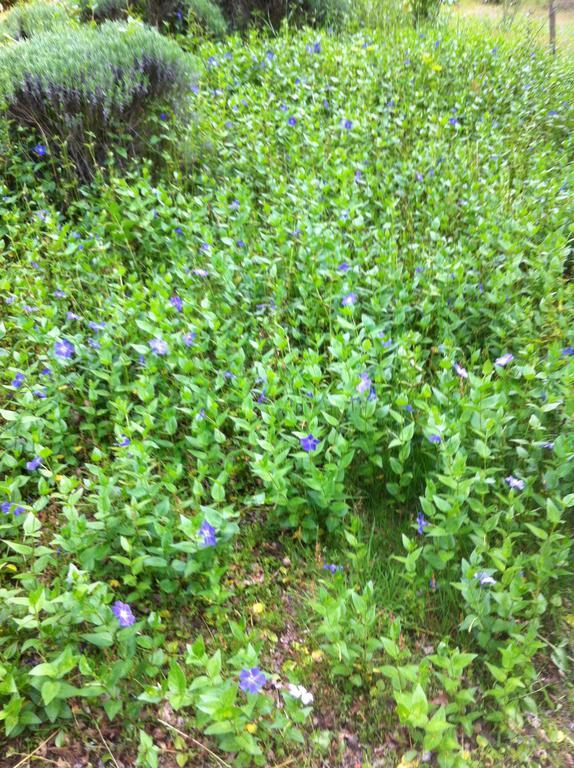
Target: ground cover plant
{"x":287,"y":422}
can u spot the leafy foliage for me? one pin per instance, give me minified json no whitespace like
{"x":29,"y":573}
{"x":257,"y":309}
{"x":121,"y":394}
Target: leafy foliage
{"x":104,"y":10}
{"x":345,"y":315}
{"x":272,"y":12}
{"x":207,"y":15}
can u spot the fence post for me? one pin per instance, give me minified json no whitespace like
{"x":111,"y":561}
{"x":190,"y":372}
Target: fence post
{"x":552,"y":24}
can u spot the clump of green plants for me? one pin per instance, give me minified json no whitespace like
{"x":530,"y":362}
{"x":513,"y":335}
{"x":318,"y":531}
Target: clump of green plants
{"x":83,"y":93}
{"x":205,"y":15}
{"x":169,"y":16}
{"x":272,"y":12}
{"x":27,"y":19}
{"x":104,"y":10}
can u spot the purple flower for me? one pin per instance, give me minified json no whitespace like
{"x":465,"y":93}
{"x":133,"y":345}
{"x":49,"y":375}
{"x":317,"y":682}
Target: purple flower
{"x":567,"y":351}
{"x":8,"y":506}
{"x":549,"y":446}
{"x":365,"y":383}
{"x":94,"y":343}
{"x":72,"y":316}
{"x":200,"y":272}
{"x":229,"y":375}
{"x":159,"y":346}
{"x":240,"y":243}
{"x":34,"y":464}
{"x":18,"y":380}
{"x":283,"y":107}
{"x":64,"y":349}
{"x":421,"y":523}
{"x":205,"y":247}
{"x":207,"y":534}
{"x":326,"y":104}
{"x":309,"y":443}
{"x":123,"y":442}
{"x":92,"y":325}
{"x":234,"y":205}
{"x":504,"y":359}
{"x":347,"y":124}
{"x":39,"y":393}
{"x":9,"y":299}
{"x":432,"y":583}
{"x":349,"y":299}
{"x":358,"y":175}
{"x":462,"y":372}
{"x":178,"y":231}
{"x":59,"y":294}
{"x":453,"y":121}
{"x":436,"y":439}
{"x":46,"y":372}
{"x":39,"y":150}
{"x":123,"y":614}
{"x":407,"y":408}
{"x":176,"y":302}
{"x":484,"y":578}
{"x":252,"y":680}
{"x":514,"y":482}
{"x":292,"y":120}
{"x":344,"y":267}
{"x":419,"y":176}
{"x":201,"y":415}
{"x":332,"y":568}
{"x":386,"y":342}
{"x":189,"y":338}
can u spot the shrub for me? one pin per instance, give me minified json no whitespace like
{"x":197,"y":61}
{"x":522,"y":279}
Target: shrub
{"x":207,"y":16}
{"x":90,"y":89}
{"x":175,"y":15}
{"x":424,"y":10}
{"x":27,"y":19}
{"x":241,"y":12}
{"x":103,"y":10}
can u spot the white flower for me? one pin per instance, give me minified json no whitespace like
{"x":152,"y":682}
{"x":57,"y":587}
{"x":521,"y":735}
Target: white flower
{"x":299,"y":692}
{"x":74,"y":574}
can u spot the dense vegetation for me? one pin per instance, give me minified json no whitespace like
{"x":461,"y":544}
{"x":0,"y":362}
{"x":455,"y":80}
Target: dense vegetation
{"x":287,"y":395}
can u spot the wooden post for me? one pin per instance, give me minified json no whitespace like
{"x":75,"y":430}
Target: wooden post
{"x":552,"y":24}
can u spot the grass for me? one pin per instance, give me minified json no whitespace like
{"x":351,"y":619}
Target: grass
{"x":530,"y":19}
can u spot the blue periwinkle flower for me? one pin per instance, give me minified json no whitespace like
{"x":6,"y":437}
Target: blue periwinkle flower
{"x":123,"y":614}
{"x":421,"y":523}
{"x":34,"y":463}
{"x":159,"y":346}
{"x":252,"y":680}
{"x":349,"y":299}
{"x":207,"y":534}
{"x":64,"y":349}
{"x":18,"y":380}
{"x":309,"y":443}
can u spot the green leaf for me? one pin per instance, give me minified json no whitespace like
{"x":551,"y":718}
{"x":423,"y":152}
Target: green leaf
{"x":50,"y":689}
